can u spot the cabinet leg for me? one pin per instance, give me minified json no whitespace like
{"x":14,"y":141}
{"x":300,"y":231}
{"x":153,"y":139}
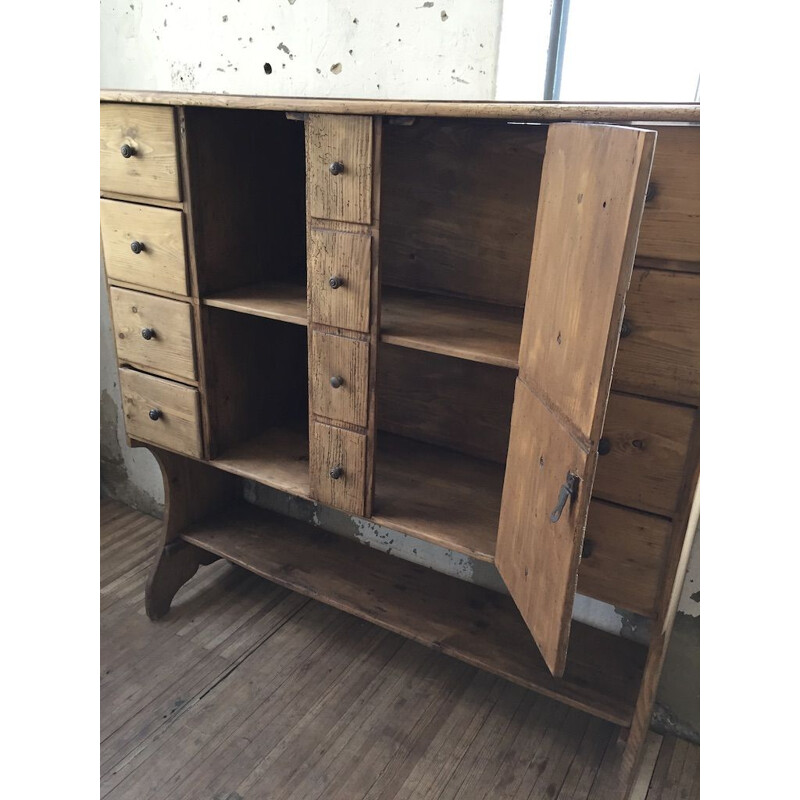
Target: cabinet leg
{"x":192,"y":491}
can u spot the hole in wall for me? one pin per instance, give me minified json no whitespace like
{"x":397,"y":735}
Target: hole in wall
{"x":268,"y":68}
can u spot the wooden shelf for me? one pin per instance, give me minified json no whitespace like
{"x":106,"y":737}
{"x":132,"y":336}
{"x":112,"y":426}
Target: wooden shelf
{"x":282,"y":301}
{"x":450,"y":326}
{"x":438,"y":495}
{"x":480,"y":627}
{"x":278,"y":458}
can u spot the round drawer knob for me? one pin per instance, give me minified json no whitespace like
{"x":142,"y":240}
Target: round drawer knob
{"x":337,"y":168}
{"x":626,"y":330}
{"x":137,"y":247}
{"x":127,"y":151}
{"x":335,"y":282}
{"x":154,"y":414}
{"x":148,"y":333}
{"x":336,"y":473}
{"x":337,"y":381}
{"x":604,"y":446}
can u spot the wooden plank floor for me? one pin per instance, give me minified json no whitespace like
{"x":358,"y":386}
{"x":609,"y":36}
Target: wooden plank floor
{"x":247,"y":691}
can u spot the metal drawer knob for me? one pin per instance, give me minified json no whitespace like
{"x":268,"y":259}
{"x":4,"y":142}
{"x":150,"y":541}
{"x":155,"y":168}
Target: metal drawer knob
{"x":626,"y":330}
{"x":148,"y":333}
{"x":336,"y":473}
{"x":604,"y":446}
{"x":137,"y":247}
{"x":154,"y":414}
{"x":127,"y":151}
{"x":335,"y":282}
{"x":337,"y":168}
{"x":337,"y":381}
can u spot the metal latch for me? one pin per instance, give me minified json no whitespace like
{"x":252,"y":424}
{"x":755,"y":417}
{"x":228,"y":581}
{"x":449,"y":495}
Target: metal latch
{"x":568,"y":489}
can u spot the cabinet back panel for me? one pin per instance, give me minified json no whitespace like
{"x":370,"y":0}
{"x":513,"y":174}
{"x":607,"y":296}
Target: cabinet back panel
{"x":247,"y":176}
{"x":459,"y":404}
{"x":256,"y":376}
{"x":458,"y":207}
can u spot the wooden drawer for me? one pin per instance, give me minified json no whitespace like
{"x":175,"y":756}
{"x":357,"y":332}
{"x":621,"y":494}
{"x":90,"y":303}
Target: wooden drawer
{"x":333,"y":359}
{"x":177,"y":423}
{"x":153,"y":333}
{"x":161,"y":264}
{"x":671,"y":220}
{"x":152,"y":168}
{"x":338,"y":467}
{"x":660,"y":355}
{"x":623,"y":557}
{"x":648,"y":443}
{"x":346,"y":141}
{"x":340,"y":277}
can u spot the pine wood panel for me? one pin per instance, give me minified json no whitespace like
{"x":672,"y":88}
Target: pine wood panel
{"x":179,"y":426}
{"x":586,"y":230}
{"x":459,"y":404}
{"x":348,"y":140}
{"x":661,"y":355}
{"x":592,"y":193}
{"x":537,"y":558}
{"x":277,"y":457}
{"x":624,"y":558}
{"x":347,"y":256}
{"x":649,"y":443}
{"x":335,"y":447}
{"x":334,"y":356}
{"x":428,"y":607}
{"x":671,"y":220}
{"x":281,"y":301}
{"x":454,"y":327}
{"x":153,"y":170}
{"x":171,"y":348}
{"x":460,"y":207}
{"x":438,"y":495}
{"x":162,"y":263}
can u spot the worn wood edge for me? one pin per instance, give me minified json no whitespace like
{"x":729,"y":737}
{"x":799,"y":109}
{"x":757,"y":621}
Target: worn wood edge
{"x":684,"y":530}
{"x":176,"y":205}
{"x":534,"y":112}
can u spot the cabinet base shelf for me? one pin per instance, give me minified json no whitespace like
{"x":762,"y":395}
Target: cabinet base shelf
{"x":475,"y":625}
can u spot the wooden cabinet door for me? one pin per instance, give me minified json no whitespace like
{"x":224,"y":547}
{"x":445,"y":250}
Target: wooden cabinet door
{"x":590,"y":206}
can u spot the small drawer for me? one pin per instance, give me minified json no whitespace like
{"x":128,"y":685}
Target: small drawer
{"x":138,"y":151}
{"x":161,"y":412}
{"x":339,"y":378}
{"x":153,"y":333}
{"x":338,"y":467}
{"x":670,"y":226}
{"x":144,"y":245}
{"x":339,"y":167}
{"x":643,"y":453}
{"x":340,"y":268}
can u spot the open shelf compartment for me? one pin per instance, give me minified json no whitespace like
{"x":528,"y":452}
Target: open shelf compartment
{"x":478,"y":626}
{"x":458,"y":204}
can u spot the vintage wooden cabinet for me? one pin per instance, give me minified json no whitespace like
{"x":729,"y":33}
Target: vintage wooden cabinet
{"x":435,"y":316}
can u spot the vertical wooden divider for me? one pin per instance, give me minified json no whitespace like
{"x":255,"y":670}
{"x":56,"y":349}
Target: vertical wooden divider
{"x":194,"y":292}
{"x":328,"y":135}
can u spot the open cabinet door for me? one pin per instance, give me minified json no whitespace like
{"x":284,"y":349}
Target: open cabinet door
{"x":590,"y":205}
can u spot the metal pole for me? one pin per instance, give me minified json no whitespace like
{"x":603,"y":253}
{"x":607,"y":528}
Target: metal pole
{"x":555,"y":49}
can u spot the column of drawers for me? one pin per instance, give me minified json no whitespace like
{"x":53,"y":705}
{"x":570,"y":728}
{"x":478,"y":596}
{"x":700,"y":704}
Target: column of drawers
{"x":142,"y":231}
{"x":342,"y":330}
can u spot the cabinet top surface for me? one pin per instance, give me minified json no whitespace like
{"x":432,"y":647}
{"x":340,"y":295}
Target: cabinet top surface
{"x":543,"y":112}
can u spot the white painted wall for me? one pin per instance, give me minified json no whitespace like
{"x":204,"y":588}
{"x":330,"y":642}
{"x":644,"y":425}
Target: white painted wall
{"x":404,"y":49}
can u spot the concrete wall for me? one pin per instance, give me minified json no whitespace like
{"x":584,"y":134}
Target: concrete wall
{"x":414,"y":49}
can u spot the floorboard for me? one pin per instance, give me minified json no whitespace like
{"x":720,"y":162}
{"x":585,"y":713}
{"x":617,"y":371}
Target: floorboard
{"x":247,"y":690}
